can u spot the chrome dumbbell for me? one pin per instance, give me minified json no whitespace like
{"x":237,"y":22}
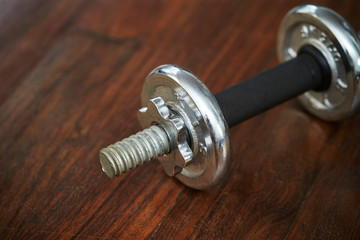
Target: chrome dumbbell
{"x":187,"y":127}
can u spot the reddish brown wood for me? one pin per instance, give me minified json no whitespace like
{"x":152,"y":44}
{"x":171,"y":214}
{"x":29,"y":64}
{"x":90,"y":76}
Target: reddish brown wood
{"x":71,"y":77}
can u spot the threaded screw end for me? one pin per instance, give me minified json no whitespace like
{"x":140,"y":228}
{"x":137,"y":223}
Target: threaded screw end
{"x":130,"y":152}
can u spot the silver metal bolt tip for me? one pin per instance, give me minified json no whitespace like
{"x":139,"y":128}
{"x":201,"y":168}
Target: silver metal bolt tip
{"x":126,"y":154}
{"x":106,"y":164}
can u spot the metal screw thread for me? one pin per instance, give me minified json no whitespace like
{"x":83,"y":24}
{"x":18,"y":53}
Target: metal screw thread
{"x":141,"y":147}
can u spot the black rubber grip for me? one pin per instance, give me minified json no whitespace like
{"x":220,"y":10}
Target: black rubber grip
{"x":309,"y":70}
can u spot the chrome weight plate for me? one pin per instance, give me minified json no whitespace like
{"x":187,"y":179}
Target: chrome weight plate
{"x":183,"y":93}
{"x":327,"y":31}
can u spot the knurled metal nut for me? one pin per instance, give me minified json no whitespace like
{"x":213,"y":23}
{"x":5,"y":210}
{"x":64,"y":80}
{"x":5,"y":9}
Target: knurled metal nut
{"x":181,"y":154}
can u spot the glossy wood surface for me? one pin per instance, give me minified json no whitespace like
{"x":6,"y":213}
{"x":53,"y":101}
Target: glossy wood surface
{"x":71,"y":73}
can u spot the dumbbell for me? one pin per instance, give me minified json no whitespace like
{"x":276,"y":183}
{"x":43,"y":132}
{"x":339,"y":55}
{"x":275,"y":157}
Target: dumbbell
{"x":187,"y":127}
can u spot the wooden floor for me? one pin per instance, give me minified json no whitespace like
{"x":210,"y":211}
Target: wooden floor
{"x":71,"y":73}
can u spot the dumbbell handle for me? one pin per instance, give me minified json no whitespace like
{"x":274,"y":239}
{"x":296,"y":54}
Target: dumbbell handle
{"x":308,"y":71}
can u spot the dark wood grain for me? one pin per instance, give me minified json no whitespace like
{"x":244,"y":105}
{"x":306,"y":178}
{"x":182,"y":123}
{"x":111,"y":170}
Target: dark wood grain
{"x":71,"y":77}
